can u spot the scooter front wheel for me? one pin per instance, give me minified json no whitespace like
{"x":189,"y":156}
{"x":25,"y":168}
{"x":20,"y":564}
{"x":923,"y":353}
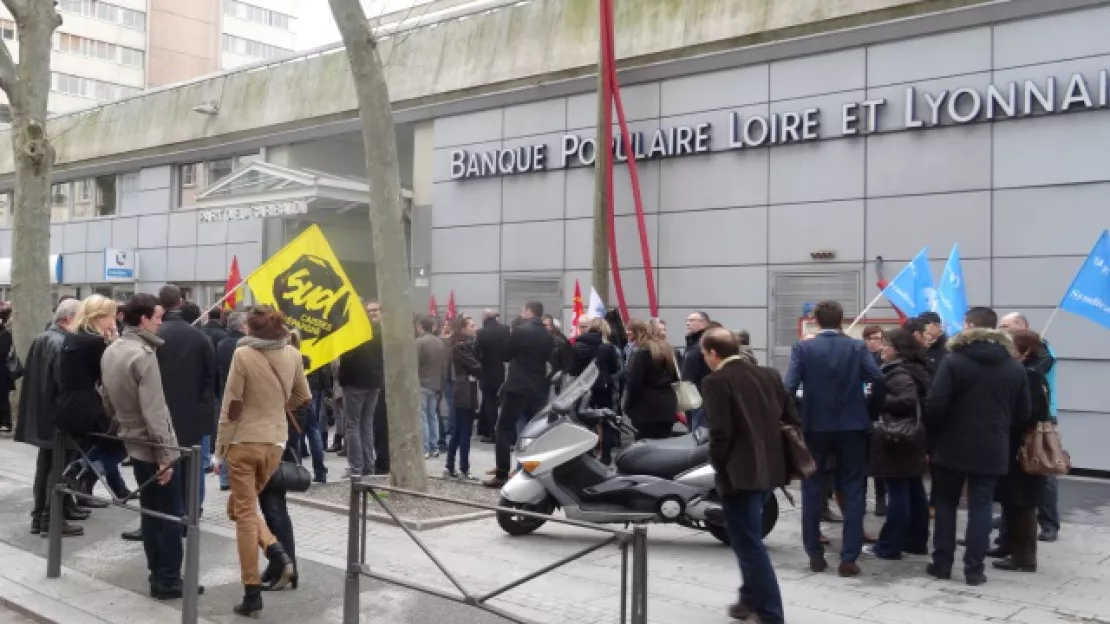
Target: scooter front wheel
{"x":515,"y":524}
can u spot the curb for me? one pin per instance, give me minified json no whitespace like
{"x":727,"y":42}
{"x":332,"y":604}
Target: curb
{"x":382,"y":518}
{"x":26,"y":612}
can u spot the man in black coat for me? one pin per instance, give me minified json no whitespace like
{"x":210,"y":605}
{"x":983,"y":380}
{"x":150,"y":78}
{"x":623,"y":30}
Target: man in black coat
{"x":214,"y":329}
{"x":492,"y":340}
{"x":977,"y":393}
{"x":936,"y":342}
{"x":694,"y":368}
{"x":188,"y":364}
{"x":225,"y":350}
{"x":35,"y":425}
{"x":528,"y":352}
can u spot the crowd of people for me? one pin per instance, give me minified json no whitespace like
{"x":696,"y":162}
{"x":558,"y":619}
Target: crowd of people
{"x":902,"y":407}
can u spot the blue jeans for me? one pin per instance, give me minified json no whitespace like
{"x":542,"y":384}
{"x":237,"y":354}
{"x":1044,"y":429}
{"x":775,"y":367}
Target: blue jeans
{"x":429,"y":416}
{"x":759,"y":587}
{"x":106,"y":461}
{"x":461,"y":430}
{"x":205,"y":462}
{"x":1048,"y":512}
{"x":948,"y":486}
{"x":850,"y":450}
{"x":907,"y":519}
{"x":312,"y":432}
{"x":697,"y":419}
{"x":162,"y":541}
{"x":447,"y":421}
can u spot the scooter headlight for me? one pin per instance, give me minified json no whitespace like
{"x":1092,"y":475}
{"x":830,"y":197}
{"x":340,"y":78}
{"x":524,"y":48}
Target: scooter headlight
{"x":524,"y":444}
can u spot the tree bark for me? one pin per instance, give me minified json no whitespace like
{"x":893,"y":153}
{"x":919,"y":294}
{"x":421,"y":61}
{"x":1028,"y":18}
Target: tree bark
{"x":27,"y":86}
{"x":406,"y":459}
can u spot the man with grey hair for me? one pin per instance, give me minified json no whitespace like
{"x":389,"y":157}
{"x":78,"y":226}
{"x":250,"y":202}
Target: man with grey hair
{"x":1048,"y":512}
{"x":36,"y":415}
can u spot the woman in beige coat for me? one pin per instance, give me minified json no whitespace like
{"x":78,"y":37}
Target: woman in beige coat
{"x":266,"y":378}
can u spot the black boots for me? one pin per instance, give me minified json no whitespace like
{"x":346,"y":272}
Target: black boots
{"x":280,"y":571}
{"x":252,"y":601}
{"x":337,"y":444}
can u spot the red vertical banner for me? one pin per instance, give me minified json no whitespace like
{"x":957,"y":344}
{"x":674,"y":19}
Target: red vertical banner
{"x":577,"y":311}
{"x":234,"y":278}
{"x":451,"y":312}
{"x":433,"y":309}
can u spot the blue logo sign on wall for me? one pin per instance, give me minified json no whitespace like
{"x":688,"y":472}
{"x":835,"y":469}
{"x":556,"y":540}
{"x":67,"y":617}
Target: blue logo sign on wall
{"x":119,"y":265}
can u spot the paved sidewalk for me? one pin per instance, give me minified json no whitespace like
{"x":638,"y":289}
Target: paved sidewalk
{"x":692,"y":577}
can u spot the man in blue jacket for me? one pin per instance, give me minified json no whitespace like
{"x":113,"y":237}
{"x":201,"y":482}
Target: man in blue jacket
{"x":832,"y":370}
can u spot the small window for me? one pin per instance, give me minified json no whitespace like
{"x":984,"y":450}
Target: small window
{"x":188,"y":175}
{"x":106,"y":195}
{"x":220,"y":169}
{"x":83,"y":199}
{"x":59,"y":203}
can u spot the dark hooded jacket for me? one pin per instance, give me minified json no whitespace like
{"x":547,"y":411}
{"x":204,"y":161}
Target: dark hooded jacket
{"x":79,"y":407}
{"x":187,"y":362}
{"x":907,"y":382}
{"x":590,"y":347}
{"x":40,"y":387}
{"x":1018,"y":489}
{"x":978,"y":394}
{"x":694,"y":368}
{"x":934,"y":355}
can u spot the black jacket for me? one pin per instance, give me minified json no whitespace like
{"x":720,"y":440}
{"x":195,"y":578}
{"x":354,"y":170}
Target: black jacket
{"x":364,"y":366}
{"x":40,"y":385}
{"x":907,"y":383}
{"x":224,"y":352}
{"x":465,"y":369}
{"x":562,"y":353}
{"x":694,"y":368}
{"x":528,"y":352}
{"x":493,"y":339}
{"x":321,"y":380}
{"x":6,"y":381}
{"x":934,"y":355}
{"x":187,"y":362}
{"x":1018,"y":489}
{"x":648,"y":394}
{"x":215,"y":332}
{"x":590,"y":347}
{"x":977,"y":395}
{"x":79,"y":407}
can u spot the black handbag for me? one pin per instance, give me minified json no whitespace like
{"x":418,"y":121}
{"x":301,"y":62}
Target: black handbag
{"x":900,"y":430}
{"x":290,"y":476}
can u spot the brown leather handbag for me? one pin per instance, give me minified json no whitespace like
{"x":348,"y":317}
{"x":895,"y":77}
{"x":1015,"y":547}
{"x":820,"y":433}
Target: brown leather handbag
{"x":1042,"y":453}
{"x":799,"y":462}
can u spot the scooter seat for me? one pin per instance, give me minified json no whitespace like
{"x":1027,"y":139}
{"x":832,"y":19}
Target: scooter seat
{"x":666,"y":458}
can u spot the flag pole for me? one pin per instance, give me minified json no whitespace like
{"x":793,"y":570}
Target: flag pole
{"x":1049,"y":323}
{"x":226,"y":296}
{"x":865,"y":311}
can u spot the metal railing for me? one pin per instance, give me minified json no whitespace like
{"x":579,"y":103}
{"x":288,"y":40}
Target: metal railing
{"x":635,"y":539}
{"x":194,"y":473}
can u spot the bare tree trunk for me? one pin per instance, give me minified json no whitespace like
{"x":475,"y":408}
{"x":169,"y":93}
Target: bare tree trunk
{"x":390,"y":260}
{"x":27,"y":85}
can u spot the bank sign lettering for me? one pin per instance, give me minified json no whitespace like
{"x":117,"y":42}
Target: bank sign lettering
{"x":960,"y":106}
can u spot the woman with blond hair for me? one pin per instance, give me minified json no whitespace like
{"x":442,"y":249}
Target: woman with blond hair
{"x":80,"y":404}
{"x":649,"y":398}
{"x":265,"y":384}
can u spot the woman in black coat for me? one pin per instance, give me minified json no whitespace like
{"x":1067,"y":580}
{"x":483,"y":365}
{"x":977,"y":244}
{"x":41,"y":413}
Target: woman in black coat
{"x":1019,"y":492}
{"x":79,"y":403}
{"x":649,"y":398}
{"x":465,"y":368}
{"x":901,"y":464}
{"x":7,"y":383}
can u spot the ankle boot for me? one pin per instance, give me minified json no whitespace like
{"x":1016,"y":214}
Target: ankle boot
{"x":336,"y":444}
{"x":252,"y":601}
{"x":280,"y":570}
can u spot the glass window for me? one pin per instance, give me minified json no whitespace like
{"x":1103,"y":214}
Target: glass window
{"x":105,"y":196}
{"x":131,"y":57}
{"x":220,"y":169}
{"x":83,"y":207}
{"x":7,"y":30}
{"x":5,"y":209}
{"x":59,"y":203}
{"x":187,"y":184}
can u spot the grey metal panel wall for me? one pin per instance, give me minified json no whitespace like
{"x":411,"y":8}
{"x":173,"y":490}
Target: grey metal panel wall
{"x":1025,"y":198}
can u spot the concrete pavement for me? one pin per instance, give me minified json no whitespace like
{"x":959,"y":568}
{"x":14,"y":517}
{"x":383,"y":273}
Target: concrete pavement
{"x":692,"y":577}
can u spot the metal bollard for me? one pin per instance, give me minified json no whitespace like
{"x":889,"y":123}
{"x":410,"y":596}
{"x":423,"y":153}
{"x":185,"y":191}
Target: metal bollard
{"x":351,"y":607}
{"x":639,"y":575}
{"x":57,"y":508}
{"x":194,"y":472}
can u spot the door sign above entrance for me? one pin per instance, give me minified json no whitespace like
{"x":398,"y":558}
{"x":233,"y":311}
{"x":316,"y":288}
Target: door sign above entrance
{"x":255,"y":211}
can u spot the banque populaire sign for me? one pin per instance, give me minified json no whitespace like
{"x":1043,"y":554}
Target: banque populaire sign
{"x":960,"y":106}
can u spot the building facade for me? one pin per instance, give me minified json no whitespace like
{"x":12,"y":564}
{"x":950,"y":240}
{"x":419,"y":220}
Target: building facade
{"x":772,"y":176}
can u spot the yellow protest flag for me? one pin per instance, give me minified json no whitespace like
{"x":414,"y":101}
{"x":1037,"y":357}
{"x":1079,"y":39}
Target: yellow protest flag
{"x":306,"y":282}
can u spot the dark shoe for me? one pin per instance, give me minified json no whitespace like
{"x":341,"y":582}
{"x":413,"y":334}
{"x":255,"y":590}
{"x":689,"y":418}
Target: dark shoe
{"x":962,"y":542}
{"x":495,"y":482}
{"x":268,"y":586}
{"x":76,"y":515}
{"x":848,"y":569}
{"x":92,"y":504}
{"x":224,"y":488}
{"x":1048,"y":535}
{"x":1009,"y":565}
{"x":42,"y":527}
{"x":280,"y":569}
{"x":171,"y":593}
{"x":818,"y":564}
{"x":132,"y":536}
{"x":739,"y":611}
{"x":975,"y":580}
{"x":342,"y":452}
{"x":487,"y":440}
{"x":252,"y":601}
{"x":336,"y":445}
{"x":319,"y":479}
{"x":935,"y":571}
{"x":126,"y":463}
{"x":998,"y":553}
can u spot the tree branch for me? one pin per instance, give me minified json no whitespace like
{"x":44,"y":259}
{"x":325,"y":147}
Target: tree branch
{"x":18,"y":8}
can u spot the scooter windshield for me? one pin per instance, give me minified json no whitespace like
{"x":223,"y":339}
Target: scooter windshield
{"x":573,"y":392}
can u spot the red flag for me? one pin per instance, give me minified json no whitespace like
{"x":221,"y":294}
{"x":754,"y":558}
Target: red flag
{"x":901,"y":317}
{"x":433,"y":309}
{"x":451,"y":312}
{"x":578,"y":310}
{"x":234,"y":278}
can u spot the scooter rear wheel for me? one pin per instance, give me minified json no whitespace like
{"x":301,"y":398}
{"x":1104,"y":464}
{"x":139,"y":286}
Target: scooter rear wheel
{"x":516,"y":525}
{"x":770,"y":519}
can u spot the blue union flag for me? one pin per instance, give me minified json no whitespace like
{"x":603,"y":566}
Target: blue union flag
{"x":1089,"y":293}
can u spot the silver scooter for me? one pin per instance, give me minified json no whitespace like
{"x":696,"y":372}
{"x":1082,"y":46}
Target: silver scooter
{"x":667,"y":480}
